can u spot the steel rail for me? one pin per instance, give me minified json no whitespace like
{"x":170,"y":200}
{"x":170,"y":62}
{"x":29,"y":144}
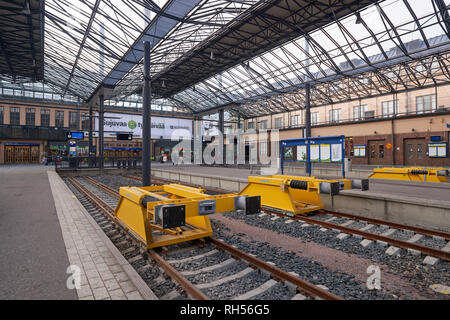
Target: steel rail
{"x":189,"y":288}
{"x":392,"y":224}
{"x":368,"y":235}
{"x":105,"y":188}
{"x":277,"y":273}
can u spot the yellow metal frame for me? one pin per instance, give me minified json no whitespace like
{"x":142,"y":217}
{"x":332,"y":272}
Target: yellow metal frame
{"x":347,"y":183}
{"x":275,"y":192}
{"x":407,"y":174}
{"x":140,"y":220}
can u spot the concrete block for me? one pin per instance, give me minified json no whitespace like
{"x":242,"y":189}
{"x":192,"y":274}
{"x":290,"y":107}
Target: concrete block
{"x":437,"y":238}
{"x":323,"y":229}
{"x":289,"y":221}
{"x":366,"y":242}
{"x":382,"y":243}
{"x":331,"y":219}
{"x":414,"y":252}
{"x":262,"y":215}
{"x":298,"y":297}
{"x":369,"y":226}
{"x":430,"y":260}
{"x":342,"y":236}
{"x":415,"y":238}
{"x":305,"y":225}
{"x":389,"y":232}
{"x":347,"y":223}
{"x":275,"y":218}
{"x":392,"y":250}
{"x":292,"y":287}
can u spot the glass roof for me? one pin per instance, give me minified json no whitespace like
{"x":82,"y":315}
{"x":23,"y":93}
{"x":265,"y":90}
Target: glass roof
{"x":93,"y":42}
{"x":339,"y":50}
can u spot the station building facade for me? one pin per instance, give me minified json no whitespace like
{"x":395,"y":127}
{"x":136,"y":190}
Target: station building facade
{"x":384,"y":130}
{"x":30,"y":131}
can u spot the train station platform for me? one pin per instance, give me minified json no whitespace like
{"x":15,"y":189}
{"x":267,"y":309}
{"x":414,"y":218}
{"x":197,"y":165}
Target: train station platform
{"x":426,"y":191}
{"x":46,"y":235}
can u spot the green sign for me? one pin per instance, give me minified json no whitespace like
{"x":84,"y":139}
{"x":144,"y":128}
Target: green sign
{"x":131,"y":124}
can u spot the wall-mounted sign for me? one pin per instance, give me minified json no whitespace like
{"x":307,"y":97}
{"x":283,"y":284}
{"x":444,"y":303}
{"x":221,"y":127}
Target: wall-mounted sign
{"x":359,"y":151}
{"x":75,"y":135}
{"x":388,"y":145}
{"x":437,"y":150}
{"x":124,"y":136}
{"x":435,"y":138}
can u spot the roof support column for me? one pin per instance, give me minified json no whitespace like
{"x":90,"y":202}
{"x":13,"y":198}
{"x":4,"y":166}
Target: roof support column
{"x":307,"y":111}
{"x":222,"y":134}
{"x":146,"y":119}
{"x":101,"y":115}
{"x":308,"y":122}
{"x":90,"y":130}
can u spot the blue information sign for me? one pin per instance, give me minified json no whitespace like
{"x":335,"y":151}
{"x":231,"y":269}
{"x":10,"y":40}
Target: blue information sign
{"x":75,"y":135}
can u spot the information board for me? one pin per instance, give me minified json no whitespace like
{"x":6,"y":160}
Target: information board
{"x":301,"y":153}
{"x":315,"y":152}
{"x":336,"y":152}
{"x":359,"y":151}
{"x":325,"y":153}
{"x":437,"y":150}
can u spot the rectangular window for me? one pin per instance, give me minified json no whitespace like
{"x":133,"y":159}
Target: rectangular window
{"x":263,"y":124}
{"x":426,"y":103}
{"x":1,"y":115}
{"x":315,"y":118}
{"x":335,"y":115}
{"x":59,"y":119}
{"x":389,"y":108}
{"x":295,"y":121}
{"x":30,"y":116}
{"x":278,"y":123}
{"x":73,"y":120}
{"x":85,"y":122}
{"x":14,"y":116}
{"x":251,"y":125}
{"x":263,"y":148}
{"x":359,"y":111}
{"x":45,"y":118}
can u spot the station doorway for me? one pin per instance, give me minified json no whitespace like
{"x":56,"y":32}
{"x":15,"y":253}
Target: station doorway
{"x":22,"y":154}
{"x":377,"y":152}
{"x":414,"y":150}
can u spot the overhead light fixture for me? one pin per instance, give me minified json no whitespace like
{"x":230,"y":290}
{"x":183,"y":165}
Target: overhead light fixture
{"x":359,"y":20}
{"x":163,"y":84}
{"x":26,"y":9}
{"x":212,"y":55}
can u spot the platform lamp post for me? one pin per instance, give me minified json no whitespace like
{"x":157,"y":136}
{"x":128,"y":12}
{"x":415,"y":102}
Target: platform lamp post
{"x":146,"y":119}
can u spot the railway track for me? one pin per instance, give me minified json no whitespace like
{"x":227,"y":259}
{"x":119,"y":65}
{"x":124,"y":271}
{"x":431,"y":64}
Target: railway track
{"x":255,"y":278}
{"x":344,"y":228}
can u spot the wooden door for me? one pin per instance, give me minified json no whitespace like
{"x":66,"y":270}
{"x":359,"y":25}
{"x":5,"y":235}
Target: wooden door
{"x":414,"y":151}
{"x":377,"y":152}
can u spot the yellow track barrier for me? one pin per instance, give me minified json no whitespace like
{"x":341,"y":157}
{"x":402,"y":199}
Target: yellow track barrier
{"x":423,"y":174}
{"x":169,"y":214}
{"x":295,"y":195}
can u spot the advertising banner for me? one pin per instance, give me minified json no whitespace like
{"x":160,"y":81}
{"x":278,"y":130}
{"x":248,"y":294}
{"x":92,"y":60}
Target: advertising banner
{"x":131,"y":123}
